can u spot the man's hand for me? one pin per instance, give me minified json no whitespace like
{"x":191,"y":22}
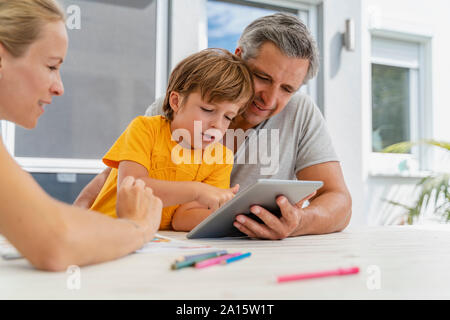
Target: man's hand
{"x":212,"y":197}
{"x":274,"y":228}
{"x":329,"y":210}
{"x":137,"y":203}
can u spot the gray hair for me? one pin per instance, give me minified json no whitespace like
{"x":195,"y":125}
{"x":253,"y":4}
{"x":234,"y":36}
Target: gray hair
{"x":288,"y":33}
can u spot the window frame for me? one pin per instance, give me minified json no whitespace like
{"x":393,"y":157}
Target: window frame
{"x":94,"y":166}
{"x":421,"y":110}
{"x":307,"y":12}
{"x":165,"y":38}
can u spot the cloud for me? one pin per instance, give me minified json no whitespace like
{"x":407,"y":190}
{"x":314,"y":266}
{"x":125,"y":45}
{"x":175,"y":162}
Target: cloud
{"x":225,"y":19}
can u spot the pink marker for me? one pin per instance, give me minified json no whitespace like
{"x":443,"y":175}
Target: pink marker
{"x":213,"y":261}
{"x":321,"y":274}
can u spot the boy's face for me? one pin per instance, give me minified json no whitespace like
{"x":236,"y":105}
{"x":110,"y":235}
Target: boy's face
{"x":205,"y":122}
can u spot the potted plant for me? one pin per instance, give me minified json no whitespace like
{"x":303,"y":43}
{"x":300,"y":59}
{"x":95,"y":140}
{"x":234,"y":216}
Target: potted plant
{"x":434,"y":189}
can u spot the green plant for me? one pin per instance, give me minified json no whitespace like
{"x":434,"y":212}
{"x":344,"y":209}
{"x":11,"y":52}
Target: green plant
{"x":434,"y":189}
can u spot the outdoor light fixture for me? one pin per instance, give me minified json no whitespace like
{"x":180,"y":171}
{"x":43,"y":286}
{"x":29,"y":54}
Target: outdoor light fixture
{"x":349,"y":35}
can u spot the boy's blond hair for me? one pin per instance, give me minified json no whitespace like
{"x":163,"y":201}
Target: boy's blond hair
{"x":21,"y":22}
{"x":216,"y":73}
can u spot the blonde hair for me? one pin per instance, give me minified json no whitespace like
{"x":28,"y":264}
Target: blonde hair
{"x":21,"y":22}
{"x":218,"y":75}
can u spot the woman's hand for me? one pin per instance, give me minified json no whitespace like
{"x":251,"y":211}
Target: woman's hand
{"x":212,"y":197}
{"x":137,"y":203}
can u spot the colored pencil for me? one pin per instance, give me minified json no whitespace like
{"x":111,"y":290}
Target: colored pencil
{"x":191,"y":261}
{"x":209,"y":254}
{"x":320,"y":274}
{"x":233,"y":259}
{"x":214,"y":261}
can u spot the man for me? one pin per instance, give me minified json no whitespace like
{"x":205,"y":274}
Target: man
{"x":282,"y":56}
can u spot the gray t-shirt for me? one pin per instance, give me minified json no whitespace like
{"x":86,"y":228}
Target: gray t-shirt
{"x":280,"y":146}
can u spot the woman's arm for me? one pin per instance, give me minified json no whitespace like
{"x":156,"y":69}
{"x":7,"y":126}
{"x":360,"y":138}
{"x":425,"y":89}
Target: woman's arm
{"x":90,"y":192}
{"x":53,"y":235}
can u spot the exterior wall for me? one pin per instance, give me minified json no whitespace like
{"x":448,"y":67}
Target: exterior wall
{"x":414,"y":17}
{"x":188,"y":28}
{"x":342,"y":98}
{"x":345,"y":84}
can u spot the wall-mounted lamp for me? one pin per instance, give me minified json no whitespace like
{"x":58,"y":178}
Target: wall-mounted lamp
{"x":349,"y":35}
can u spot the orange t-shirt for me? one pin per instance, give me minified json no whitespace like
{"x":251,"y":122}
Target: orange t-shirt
{"x":148,"y":141}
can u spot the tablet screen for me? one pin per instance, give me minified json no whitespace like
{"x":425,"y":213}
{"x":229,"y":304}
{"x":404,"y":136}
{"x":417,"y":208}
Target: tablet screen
{"x":264,"y":193}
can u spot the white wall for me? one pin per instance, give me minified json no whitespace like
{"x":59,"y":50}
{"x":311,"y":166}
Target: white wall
{"x":342,"y":80}
{"x":430,"y":16}
{"x":416,"y":17}
{"x":346,"y":83}
{"x":343,"y":96}
{"x":189,"y":27}
{"x":347,"y":101}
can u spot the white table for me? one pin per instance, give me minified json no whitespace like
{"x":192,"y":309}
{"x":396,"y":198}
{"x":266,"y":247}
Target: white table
{"x":403,"y":262}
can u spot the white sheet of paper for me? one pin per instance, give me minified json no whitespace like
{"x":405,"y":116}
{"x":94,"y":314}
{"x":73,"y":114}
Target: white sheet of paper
{"x":165,"y":244}
{"x":7,"y":250}
{"x":157,"y":244}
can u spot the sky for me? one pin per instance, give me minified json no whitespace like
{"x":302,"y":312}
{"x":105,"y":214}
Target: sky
{"x":226,"y":21}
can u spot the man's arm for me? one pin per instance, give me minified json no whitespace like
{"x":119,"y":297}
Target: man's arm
{"x":329,"y":209}
{"x":90,"y":192}
{"x":88,"y":195}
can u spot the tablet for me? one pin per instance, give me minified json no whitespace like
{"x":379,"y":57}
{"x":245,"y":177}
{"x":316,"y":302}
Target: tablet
{"x":263,"y":193}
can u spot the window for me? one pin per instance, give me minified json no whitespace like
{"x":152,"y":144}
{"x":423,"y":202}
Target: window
{"x":108,"y":77}
{"x":391,"y":114}
{"x":398,"y":69}
{"x":227,"y":20}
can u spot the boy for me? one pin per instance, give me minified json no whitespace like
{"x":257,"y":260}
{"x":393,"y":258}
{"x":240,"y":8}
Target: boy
{"x":205,"y":92}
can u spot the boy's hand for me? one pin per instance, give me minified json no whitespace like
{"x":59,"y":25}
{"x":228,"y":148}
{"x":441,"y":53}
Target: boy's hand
{"x":137,"y":203}
{"x":212,"y":197}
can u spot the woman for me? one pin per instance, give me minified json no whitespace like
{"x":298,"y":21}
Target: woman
{"x":51,"y":234}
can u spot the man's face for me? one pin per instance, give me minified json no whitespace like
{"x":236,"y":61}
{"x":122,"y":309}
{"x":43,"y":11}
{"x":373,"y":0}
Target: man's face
{"x":276,"y":78}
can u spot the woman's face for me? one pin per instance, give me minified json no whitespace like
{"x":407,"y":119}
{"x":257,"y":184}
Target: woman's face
{"x":29,"y":82}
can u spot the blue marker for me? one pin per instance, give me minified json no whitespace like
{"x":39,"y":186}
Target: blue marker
{"x":233,"y":259}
